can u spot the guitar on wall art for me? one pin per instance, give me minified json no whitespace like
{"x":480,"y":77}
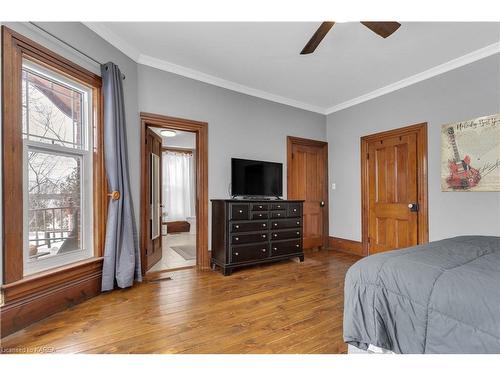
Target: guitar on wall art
{"x":462,"y":175}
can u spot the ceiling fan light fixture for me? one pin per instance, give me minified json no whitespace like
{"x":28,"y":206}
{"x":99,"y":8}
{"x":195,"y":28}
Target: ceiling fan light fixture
{"x":168,"y":133}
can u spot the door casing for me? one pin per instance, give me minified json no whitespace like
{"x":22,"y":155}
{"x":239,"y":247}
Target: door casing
{"x":291,"y":141}
{"x":201,"y":131}
{"x":423,"y":215}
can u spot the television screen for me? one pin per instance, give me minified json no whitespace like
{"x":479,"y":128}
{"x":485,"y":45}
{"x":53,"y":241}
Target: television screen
{"x":256,"y":178}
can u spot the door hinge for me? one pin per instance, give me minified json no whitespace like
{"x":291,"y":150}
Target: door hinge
{"x":367,"y":156}
{"x":369,"y":240}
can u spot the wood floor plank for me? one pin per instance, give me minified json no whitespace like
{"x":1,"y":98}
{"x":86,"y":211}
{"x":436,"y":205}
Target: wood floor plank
{"x":286,"y":307}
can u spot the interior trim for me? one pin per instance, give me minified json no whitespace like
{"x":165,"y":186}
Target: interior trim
{"x":153,"y":62}
{"x":201,"y":130}
{"x":422,"y":76}
{"x":346,"y":246}
{"x":224,"y":83}
{"x":38,"y":296}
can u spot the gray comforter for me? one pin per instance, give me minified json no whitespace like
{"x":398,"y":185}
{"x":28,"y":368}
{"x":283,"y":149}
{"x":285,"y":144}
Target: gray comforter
{"x":443,"y":297}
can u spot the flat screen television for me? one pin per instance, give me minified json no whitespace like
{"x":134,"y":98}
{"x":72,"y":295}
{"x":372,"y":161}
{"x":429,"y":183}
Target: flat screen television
{"x":254,"y":178}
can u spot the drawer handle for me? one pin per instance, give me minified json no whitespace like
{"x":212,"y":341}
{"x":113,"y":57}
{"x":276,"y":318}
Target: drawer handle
{"x":275,"y":224}
{"x":260,"y":206}
{"x":279,"y":206}
{"x":263,"y":236}
{"x":298,"y":222}
{"x":275,"y":235}
{"x":275,"y":248}
{"x":236,"y":254}
{"x":238,"y":227}
{"x":264,"y":225}
{"x":240,"y":211}
{"x":279,"y":214}
{"x":297,"y":245}
{"x":298,"y":232}
{"x":260,"y":215}
{"x":263,"y":250}
{"x":236,"y":238}
{"x":294,"y":210}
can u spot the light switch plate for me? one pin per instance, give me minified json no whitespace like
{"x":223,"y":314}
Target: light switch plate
{"x":334,"y":186}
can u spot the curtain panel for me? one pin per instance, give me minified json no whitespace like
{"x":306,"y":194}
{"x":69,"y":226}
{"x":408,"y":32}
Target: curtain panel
{"x":122,"y":261}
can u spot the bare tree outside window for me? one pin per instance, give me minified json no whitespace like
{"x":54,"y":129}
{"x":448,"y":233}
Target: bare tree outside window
{"x":52,"y":114}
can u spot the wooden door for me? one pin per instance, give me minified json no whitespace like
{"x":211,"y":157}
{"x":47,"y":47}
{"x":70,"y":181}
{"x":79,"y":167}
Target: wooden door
{"x":153,"y":189}
{"x":307,"y":180}
{"x":393,"y":193}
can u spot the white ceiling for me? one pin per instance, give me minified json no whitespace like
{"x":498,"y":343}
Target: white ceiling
{"x":181,"y":140}
{"x":351,"y":65}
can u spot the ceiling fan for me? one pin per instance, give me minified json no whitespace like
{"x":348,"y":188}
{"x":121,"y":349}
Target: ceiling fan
{"x":384,"y":29}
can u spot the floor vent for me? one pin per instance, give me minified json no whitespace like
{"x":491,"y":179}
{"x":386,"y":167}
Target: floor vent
{"x":167,"y":278}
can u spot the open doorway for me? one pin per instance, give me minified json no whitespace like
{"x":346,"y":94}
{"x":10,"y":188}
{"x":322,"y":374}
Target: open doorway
{"x":174,"y":194}
{"x":177,"y":182}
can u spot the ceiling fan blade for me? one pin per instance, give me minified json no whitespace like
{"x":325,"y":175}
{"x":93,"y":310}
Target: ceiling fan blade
{"x":384,"y":29}
{"x":317,"y":38}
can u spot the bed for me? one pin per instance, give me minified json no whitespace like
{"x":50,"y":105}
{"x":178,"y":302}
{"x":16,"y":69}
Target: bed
{"x":441,"y":297}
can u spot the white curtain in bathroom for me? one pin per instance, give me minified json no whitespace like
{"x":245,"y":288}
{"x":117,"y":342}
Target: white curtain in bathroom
{"x":178,"y":186}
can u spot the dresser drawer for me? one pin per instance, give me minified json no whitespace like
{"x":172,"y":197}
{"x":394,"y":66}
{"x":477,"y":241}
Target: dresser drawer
{"x":249,"y":252}
{"x":239,"y":211}
{"x":260,"y":206}
{"x":286,"y":223}
{"x":285,"y":247}
{"x":248,"y":238}
{"x":278,"y":206}
{"x":286,"y":234}
{"x":251,"y":226}
{"x":278,"y":214}
{"x":294,"y":210}
{"x":259,"y":215}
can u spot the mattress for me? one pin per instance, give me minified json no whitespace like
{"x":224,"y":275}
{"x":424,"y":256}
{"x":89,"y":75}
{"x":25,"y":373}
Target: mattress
{"x":442,"y":297}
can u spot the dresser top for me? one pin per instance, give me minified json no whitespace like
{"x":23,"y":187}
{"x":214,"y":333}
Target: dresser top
{"x":257,"y":200}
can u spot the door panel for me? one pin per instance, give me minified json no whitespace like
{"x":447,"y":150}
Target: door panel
{"x":307,"y":181}
{"x":392,"y":184}
{"x":154,"y":245}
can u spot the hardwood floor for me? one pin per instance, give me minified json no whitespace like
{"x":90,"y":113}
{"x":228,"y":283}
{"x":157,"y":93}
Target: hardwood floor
{"x":286,"y":307}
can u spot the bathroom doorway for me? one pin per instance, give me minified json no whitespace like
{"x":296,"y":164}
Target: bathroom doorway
{"x":171,"y":191}
{"x":178,"y":199}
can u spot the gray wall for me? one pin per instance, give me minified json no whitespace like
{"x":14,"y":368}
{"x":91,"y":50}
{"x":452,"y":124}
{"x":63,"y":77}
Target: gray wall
{"x":238,"y":125}
{"x":465,"y":93}
{"x":90,"y":43}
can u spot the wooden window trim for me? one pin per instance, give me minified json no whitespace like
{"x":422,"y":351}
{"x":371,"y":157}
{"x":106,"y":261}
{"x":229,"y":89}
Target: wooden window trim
{"x":15,"y":48}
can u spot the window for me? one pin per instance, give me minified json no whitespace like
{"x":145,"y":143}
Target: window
{"x":57,"y":165}
{"x":54,"y":187}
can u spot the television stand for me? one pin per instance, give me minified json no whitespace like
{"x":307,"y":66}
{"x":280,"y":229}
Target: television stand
{"x":250,"y":232}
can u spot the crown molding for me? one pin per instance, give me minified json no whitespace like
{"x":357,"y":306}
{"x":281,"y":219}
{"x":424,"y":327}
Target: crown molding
{"x":476,"y":55}
{"x":113,"y":39}
{"x":156,"y":63}
{"x":220,"y":82}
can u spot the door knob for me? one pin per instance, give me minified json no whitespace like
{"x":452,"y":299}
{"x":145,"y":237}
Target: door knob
{"x":413,"y":207}
{"x":322,"y":204}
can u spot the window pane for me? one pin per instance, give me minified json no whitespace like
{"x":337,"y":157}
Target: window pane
{"x":52,"y":112}
{"x":54,"y":195}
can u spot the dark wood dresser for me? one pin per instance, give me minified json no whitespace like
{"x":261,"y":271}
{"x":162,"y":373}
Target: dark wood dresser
{"x":248,"y":232}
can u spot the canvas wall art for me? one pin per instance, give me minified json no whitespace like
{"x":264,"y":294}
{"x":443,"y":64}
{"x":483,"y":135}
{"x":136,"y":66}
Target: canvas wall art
{"x":470,"y":155}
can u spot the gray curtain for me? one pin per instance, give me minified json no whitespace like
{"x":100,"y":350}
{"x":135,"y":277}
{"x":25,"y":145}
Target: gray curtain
{"x":122,"y":262}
